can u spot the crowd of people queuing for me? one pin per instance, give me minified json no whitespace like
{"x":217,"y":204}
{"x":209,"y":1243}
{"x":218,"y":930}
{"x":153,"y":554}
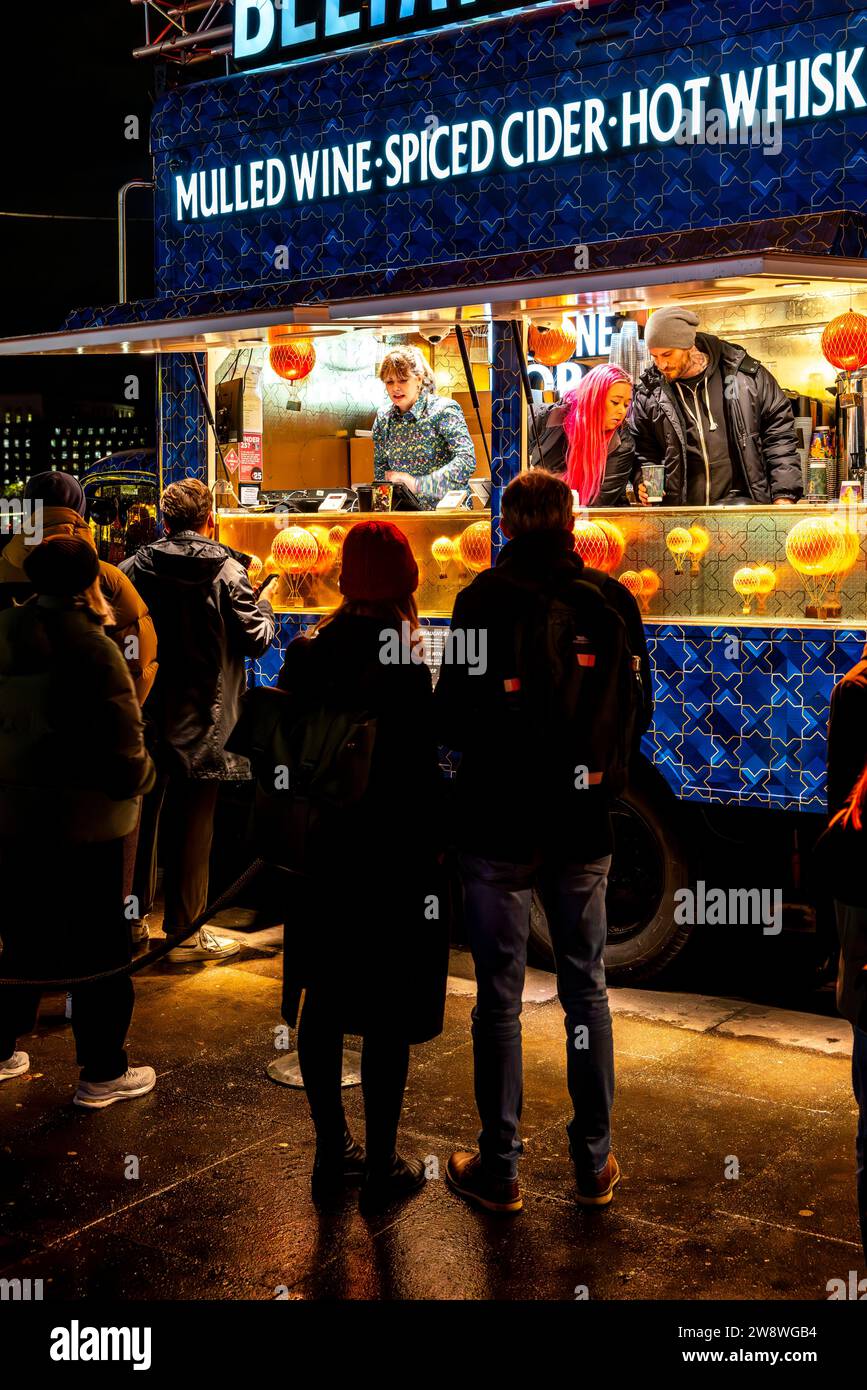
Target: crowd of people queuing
{"x":123,"y":705}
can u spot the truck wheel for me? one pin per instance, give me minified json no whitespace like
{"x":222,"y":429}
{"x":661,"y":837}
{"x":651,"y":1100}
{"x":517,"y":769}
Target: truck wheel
{"x":649,"y":865}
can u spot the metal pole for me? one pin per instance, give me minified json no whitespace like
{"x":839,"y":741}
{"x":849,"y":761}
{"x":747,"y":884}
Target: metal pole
{"x":121,"y":234}
{"x":525,"y":379}
{"x":471,"y":386}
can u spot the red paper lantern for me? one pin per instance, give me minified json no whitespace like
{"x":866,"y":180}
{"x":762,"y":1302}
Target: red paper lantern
{"x":591,"y":543}
{"x":293,"y":361}
{"x":551,"y":346}
{"x":844,"y":342}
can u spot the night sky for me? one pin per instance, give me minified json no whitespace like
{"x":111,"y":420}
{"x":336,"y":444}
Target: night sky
{"x":63,"y":103}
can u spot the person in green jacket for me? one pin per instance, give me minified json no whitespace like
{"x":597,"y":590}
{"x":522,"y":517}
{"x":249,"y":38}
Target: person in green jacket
{"x":73,"y":766}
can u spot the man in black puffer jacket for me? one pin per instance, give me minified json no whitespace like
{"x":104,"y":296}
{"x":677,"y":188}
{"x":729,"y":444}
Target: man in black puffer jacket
{"x":521,"y":820}
{"x":715,"y":417}
{"x":207,"y":622}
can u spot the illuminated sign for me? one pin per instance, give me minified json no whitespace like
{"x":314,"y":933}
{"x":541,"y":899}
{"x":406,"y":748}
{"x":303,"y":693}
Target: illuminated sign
{"x":815,"y":88}
{"x":280,"y":31}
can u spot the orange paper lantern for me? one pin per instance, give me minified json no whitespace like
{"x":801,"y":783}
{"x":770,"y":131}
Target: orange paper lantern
{"x":851,"y":543}
{"x":551,"y":346}
{"x":591,"y":543}
{"x":816,"y":546}
{"x":474,"y":546}
{"x":746,"y":583}
{"x":679,"y":542}
{"x":443,"y":550}
{"x":844,"y":342}
{"x":616,"y":544}
{"x":631,"y":581}
{"x":699,"y":547}
{"x":295,"y":551}
{"x":337,"y":535}
{"x":766,"y":582}
{"x":254,"y":569}
{"x":327,"y":556}
{"x":650,"y":582}
{"x":293,"y":361}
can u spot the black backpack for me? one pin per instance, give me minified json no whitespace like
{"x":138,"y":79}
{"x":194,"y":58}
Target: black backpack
{"x":575,"y":690}
{"x":550,"y":451}
{"x":311,"y":765}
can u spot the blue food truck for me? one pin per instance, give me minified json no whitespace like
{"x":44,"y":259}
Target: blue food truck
{"x":499,"y":185}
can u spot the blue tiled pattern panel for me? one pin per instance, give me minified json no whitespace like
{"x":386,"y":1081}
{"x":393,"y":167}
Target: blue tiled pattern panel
{"x":839,"y":233}
{"x":555,"y":55}
{"x":265,"y":669}
{"x":183,"y":439}
{"x":745,"y":722}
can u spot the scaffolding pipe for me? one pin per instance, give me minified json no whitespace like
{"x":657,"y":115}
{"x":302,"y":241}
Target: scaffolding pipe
{"x":201,"y":39}
{"x":121,"y":234}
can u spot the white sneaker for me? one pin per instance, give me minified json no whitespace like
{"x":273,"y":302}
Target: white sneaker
{"x":96,"y":1095}
{"x":205,"y":945}
{"x":16,"y":1065}
{"x":140,"y":931}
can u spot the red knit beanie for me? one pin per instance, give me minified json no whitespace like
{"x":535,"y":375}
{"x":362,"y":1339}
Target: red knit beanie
{"x":378,"y":564}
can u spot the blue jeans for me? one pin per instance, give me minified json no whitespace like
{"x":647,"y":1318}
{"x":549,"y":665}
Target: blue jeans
{"x":497,"y":915}
{"x":859,"y":1086}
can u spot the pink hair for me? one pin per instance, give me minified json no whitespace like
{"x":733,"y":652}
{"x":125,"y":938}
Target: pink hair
{"x":584,"y":426}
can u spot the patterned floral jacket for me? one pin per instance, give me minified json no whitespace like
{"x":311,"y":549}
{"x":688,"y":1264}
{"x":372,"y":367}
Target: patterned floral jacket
{"x":430,"y":441}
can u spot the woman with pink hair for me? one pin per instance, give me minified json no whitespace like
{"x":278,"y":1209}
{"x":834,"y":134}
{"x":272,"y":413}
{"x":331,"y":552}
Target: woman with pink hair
{"x":600,"y":460}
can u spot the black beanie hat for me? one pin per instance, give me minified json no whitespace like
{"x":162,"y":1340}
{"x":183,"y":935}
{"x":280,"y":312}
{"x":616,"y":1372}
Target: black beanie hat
{"x":56,"y":489}
{"x":62,"y":566}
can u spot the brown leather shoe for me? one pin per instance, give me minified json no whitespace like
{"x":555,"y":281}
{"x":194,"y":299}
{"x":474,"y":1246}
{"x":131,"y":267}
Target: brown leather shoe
{"x":598,"y":1189}
{"x":465,"y":1175}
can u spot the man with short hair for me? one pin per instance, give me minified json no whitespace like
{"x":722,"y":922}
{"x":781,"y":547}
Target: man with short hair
{"x":715,"y":417}
{"x":208,"y":621}
{"x":524,"y":819}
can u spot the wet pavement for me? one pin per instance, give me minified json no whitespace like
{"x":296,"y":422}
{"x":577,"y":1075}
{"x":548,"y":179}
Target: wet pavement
{"x":736,"y":1149}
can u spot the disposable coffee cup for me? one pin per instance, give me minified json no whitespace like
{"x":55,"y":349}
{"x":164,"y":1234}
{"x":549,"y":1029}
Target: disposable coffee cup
{"x":654,"y":481}
{"x":383,"y":495}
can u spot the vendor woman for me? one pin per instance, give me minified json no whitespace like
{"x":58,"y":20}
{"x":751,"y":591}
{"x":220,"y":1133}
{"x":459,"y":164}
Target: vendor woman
{"x":420,"y":439}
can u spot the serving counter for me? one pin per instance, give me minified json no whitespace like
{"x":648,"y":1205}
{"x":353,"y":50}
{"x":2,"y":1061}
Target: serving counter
{"x":305,"y":549}
{"x":759,"y":566}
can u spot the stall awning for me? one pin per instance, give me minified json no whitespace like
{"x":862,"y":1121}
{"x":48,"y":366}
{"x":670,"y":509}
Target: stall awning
{"x":815,"y":246}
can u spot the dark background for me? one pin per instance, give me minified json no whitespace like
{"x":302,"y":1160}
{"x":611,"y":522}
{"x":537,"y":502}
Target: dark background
{"x":67,"y":82}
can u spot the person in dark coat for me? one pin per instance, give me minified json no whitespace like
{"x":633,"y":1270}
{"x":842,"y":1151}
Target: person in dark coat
{"x":62,"y":504}
{"x":847,"y":847}
{"x":520,"y":822}
{"x":591,"y":420}
{"x":714,"y":417}
{"x":73,"y":766}
{"x":366,"y":937}
{"x":207,"y":623}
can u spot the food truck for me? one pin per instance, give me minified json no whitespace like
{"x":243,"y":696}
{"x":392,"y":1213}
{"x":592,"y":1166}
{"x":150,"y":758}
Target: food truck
{"x":526,"y":187}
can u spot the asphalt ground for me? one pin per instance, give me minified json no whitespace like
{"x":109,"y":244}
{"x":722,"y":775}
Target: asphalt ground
{"x":733,"y":1123}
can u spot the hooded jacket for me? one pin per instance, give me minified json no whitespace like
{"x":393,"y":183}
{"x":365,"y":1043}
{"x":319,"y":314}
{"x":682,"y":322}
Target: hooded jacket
{"x":132,"y":618}
{"x":72,"y":754}
{"x":757,"y":417}
{"x":207,"y":623}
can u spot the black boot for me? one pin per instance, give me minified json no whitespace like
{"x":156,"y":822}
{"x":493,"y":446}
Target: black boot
{"x":334,"y":1168}
{"x":391,"y":1182}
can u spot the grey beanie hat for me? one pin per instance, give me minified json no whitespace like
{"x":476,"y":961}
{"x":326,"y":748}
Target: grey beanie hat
{"x":671,"y":328}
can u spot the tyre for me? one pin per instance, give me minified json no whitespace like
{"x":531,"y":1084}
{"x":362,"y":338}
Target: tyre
{"x":648,"y":867}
